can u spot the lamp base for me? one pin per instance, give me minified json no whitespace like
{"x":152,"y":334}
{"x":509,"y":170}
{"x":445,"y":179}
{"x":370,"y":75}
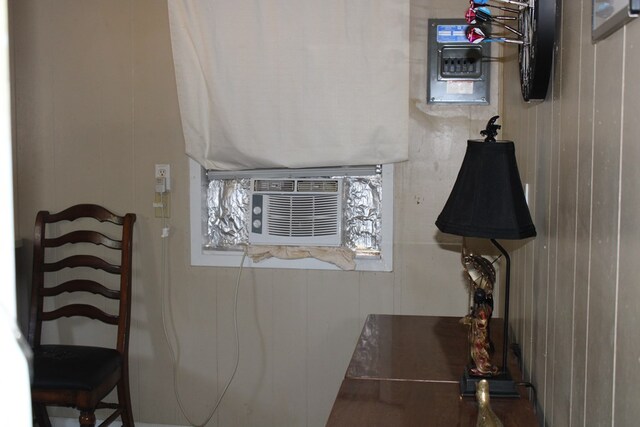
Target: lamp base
{"x":501,"y":385}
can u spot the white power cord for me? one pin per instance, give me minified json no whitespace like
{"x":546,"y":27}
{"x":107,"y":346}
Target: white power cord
{"x":175,"y":354}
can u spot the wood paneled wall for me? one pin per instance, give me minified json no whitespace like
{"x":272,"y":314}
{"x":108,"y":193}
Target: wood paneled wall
{"x":576,"y":304}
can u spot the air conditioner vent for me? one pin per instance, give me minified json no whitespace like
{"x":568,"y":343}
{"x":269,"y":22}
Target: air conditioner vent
{"x":274,"y":185}
{"x":303,"y":216}
{"x":318,"y":186}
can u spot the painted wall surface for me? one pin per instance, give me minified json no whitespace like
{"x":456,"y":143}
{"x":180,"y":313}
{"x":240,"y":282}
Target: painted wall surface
{"x":96,"y":107}
{"x":576,"y":296}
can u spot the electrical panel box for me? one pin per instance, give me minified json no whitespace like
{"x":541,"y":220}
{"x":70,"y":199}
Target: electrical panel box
{"x":458,"y":71}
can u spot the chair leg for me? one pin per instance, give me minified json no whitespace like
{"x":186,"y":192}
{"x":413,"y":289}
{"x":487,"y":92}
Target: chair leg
{"x":41,"y":415}
{"x":87,"y":419}
{"x":124,"y":399}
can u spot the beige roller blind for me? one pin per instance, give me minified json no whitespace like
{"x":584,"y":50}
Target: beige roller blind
{"x":292,"y":83}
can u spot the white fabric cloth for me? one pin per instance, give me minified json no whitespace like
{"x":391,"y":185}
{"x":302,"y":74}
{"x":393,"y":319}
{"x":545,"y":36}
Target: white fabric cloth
{"x":340,"y":256}
{"x":292,"y":83}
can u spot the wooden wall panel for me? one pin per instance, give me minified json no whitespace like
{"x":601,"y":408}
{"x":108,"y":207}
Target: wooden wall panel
{"x":626,"y":411}
{"x":568,"y":95}
{"x":604,"y":241}
{"x":290,"y":341}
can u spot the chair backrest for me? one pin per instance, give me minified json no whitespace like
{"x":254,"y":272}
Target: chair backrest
{"x":81,"y":249}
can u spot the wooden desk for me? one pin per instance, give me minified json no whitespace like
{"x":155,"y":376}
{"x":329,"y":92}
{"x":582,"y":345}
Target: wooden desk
{"x":405,"y":371}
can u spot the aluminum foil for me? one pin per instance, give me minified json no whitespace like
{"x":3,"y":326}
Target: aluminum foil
{"x":228,"y":213}
{"x":227,"y":209}
{"x":362,"y":209}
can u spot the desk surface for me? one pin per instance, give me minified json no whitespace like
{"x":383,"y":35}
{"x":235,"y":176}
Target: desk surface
{"x":405,"y":371}
{"x":413,"y":348}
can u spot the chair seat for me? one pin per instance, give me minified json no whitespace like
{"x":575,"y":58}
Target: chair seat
{"x":73,"y":367}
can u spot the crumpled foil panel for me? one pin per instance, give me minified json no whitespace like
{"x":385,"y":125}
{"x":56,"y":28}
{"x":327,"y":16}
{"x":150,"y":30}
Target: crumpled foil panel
{"x":362,"y":209}
{"x":227,"y":206}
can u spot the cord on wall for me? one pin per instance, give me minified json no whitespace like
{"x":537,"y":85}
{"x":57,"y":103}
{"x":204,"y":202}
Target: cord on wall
{"x":175,"y":353}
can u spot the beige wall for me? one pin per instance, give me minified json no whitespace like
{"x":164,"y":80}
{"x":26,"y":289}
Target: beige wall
{"x":577,"y":294}
{"x":96,"y":108}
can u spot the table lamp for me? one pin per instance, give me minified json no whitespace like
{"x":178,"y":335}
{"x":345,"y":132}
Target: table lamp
{"x":487,"y":201}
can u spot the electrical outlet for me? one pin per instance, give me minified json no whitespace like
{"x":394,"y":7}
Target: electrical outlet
{"x":163,"y":171}
{"x":161,"y":202}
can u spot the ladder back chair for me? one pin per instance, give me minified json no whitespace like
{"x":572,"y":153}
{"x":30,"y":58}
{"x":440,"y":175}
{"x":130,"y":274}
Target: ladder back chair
{"x":76,"y":264}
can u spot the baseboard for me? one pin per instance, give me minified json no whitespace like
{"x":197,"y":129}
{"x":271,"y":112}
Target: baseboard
{"x":71,"y":422}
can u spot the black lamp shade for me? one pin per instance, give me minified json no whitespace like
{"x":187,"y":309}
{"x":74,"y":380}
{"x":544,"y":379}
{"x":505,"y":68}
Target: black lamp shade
{"x":487,"y":199}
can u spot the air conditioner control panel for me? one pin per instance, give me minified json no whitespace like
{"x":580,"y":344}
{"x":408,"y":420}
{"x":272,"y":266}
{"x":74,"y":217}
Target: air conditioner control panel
{"x":256,"y":214}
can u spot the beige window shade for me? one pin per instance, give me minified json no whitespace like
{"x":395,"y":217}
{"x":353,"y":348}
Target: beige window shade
{"x":292,"y":83}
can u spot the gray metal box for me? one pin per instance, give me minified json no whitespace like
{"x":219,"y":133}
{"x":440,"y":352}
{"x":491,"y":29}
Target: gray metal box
{"x":458,"y":71}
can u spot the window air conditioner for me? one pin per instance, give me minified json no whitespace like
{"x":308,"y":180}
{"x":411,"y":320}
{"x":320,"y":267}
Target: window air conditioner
{"x":296,"y":211}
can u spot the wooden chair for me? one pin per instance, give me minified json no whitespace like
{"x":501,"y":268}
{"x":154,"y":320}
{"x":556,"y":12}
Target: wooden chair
{"x":74,"y":375}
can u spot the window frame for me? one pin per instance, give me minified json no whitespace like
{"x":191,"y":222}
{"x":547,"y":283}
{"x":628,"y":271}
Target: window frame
{"x":230,"y":258}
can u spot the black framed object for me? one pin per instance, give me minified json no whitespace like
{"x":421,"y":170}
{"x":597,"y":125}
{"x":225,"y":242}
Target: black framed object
{"x":608,"y":16}
{"x":538,"y":26}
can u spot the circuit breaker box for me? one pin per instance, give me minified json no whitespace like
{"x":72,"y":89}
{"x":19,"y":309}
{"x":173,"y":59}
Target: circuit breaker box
{"x":458,"y":71}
